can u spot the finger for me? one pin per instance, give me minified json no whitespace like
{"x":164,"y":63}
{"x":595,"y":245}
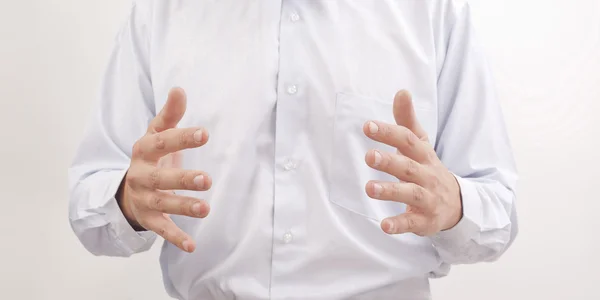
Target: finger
{"x":152,"y":147}
{"x":404,"y":114}
{"x":406,"y":223}
{"x":166,"y":228}
{"x":154,"y":178}
{"x":173,"y":204}
{"x":400,"y":138}
{"x":399,"y":166}
{"x":407,"y":193}
{"x":171,"y":113}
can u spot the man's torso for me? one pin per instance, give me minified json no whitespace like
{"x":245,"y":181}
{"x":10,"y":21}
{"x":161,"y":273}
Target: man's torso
{"x":284,"y":88}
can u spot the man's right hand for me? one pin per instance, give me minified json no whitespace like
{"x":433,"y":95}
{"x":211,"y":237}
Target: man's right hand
{"x":145,"y":195}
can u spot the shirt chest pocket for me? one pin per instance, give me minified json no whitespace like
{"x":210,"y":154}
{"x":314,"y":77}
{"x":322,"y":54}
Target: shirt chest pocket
{"x":349,"y":172}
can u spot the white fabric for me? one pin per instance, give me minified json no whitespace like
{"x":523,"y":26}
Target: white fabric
{"x":284,"y":88}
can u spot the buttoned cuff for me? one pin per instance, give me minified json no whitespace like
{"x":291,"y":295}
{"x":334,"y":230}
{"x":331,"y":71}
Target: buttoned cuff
{"x":468,"y":228}
{"x":130,"y":240}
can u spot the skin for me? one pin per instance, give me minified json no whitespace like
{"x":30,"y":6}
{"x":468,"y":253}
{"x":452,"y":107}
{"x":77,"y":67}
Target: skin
{"x":144,"y":195}
{"x":425,"y":185}
{"x":429,"y":190}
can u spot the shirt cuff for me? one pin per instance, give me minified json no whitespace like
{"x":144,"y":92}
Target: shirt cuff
{"x":468,"y":228}
{"x":130,"y":240}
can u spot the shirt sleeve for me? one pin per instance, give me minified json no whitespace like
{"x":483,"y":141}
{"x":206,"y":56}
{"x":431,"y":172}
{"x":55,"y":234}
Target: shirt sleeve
{"x":121,"y":115}
{"x":473,"y":143}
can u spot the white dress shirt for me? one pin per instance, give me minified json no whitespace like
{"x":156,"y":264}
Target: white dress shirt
{"x":284,"y":88}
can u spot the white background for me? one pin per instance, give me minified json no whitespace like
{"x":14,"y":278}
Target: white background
{"x":545,"y":55}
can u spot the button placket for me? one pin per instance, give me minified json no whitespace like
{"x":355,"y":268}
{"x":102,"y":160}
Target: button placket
{"x":288,"y":205}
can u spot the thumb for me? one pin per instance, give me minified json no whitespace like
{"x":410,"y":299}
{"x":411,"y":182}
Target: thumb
{"x":405,"y":115}
{"x":171,"y":113}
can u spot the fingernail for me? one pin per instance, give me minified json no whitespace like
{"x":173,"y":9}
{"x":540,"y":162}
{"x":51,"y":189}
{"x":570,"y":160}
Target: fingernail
{"x":378,"y":158}
{"x":390,"y":226}
{"x":198,"y":136}
{"x":186,"y":246}
{"x":199,"y":181}
{"x":373,"y":128}
{"x":377,"y":189}
{"x":197,"y":209}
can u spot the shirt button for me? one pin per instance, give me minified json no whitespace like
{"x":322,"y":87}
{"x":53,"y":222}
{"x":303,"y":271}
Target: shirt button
{"x":295,"y":17}
{"x":288,"y":237}
{"x":292,"y":89}
{"x":289,"y":165}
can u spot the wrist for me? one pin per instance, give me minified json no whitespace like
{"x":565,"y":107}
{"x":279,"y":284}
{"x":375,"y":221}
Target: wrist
{"x":457,"y":204}
{"x":125,"y":205}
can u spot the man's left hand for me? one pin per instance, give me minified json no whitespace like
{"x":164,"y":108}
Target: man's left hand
{"x":429,"y":190}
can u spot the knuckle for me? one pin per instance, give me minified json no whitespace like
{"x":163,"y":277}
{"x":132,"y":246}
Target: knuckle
{"x":133,"y":176}
{"x":417,"y":193}
{"x":162,"y":231}
{"x":184,"y":138}
{"x":385,"y":131}
{"x":157,"y":203}
{"x":159,"y":141}
{"x":396,"y":191}
{"x":411,"y":167}
{"x":411,"y":223}
{"x":183,"y":180}
{"x":181,"y":237}
{"x":386,"y":161}
{"x":185,"y":208}
{"x":176,"y":236}
{"x":137,"y":150}
{"x":154,"y":178}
